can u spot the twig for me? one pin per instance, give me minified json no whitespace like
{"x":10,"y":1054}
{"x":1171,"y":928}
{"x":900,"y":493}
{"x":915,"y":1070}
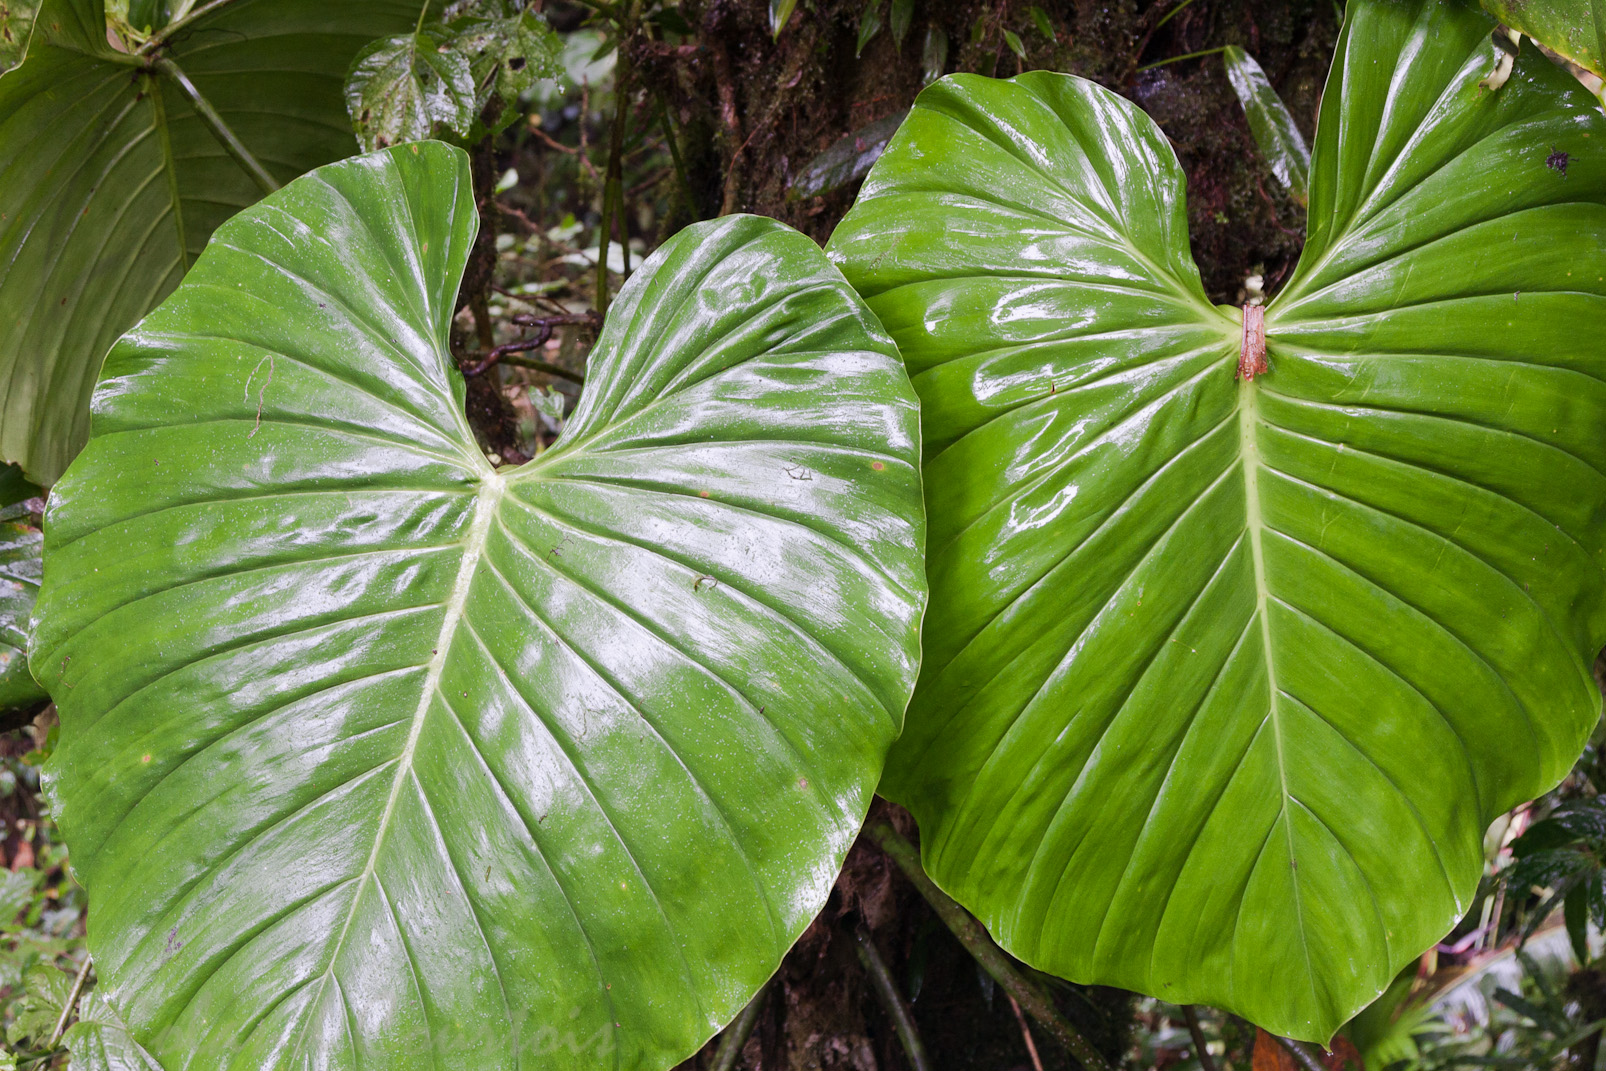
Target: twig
{"x":502,"y":353}
{"x":543,"y":326}
{"x":736,"y":1035}
{"x":674,"y":154}
{"x":892,"y":1002}
{"x":553,"y":143}
{"x":622,"y":214}
{"x":544,"y":366}
{"x":614,"y":180}
{"x":974,"y":937}
{"x":72,"y":1001}
{"x":214,"y":122}
{"x":1302,"y":1056}
{"x":1026,"y":1032}
{"x":1195,"y":1031}
{"x":650,"y":181}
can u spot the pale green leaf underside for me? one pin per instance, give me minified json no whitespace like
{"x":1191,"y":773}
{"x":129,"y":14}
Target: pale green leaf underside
{"x":1574,"y":28}
{"x":1223,"y":681}
{"x":374,"y":757}
{"x":110,"y":185}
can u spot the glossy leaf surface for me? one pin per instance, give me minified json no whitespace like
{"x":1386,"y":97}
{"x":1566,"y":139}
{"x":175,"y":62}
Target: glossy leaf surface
{"x":439,"y":79}
{"x":100,"y":1041}
{"x":372,"y":755}
{"x":1274,"y":128}
{"x":19,"y":584}
{"x":110,"y":184}
{"x":16,"y":19}
{"x":1575,"y":29}
{"x":1224,"y":679}
{"x":405,"y":88}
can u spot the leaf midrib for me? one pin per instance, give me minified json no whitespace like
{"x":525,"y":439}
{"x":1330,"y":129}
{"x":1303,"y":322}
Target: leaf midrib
{"x":486,"y":504}
{"x":1254,"y":523}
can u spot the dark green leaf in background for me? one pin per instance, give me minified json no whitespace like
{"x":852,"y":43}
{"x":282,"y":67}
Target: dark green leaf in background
{"x":902,"y":13}
{"x":110,"y":183}
{"x":1224,"y":679}
{"x":934,"y":53}
{"x":1041,"y":19}
{"x":1575,"y":29}
{"x":869,"y":26}
{"x":372,"y":754}
{"x":1274,"y":128}
{"x":847,"y":161}
{"x":147,"y":15}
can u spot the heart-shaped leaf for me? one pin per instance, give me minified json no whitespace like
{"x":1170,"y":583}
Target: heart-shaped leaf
{"x":110,"y":182}
{"x":373,"y":755}
{"x":1225,"y":677}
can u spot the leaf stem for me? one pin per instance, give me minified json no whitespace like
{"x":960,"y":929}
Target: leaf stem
{"x":160,"y":37}
{"x":1026,"y":1034}
{"x":1201,"y":1051}
{"x":214,"y":122}
{"x":975,"y":938}
{"x":674,"y":154}
{"x":1302,"y":1056}
{"x":892,"y":1001}
{"x":1173,"y":13}
{"x":1179,"y":59}
{"x":736,"y":1034}
{"x":614,"y":175}
{"x":72,"y":1001}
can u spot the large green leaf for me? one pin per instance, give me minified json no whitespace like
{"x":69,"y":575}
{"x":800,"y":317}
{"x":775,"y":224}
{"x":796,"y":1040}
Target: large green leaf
{"x":1224,"y":678}
{"x":1575,"y":29}
{"x":110,"y":183}
{"x":373,"y":754}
